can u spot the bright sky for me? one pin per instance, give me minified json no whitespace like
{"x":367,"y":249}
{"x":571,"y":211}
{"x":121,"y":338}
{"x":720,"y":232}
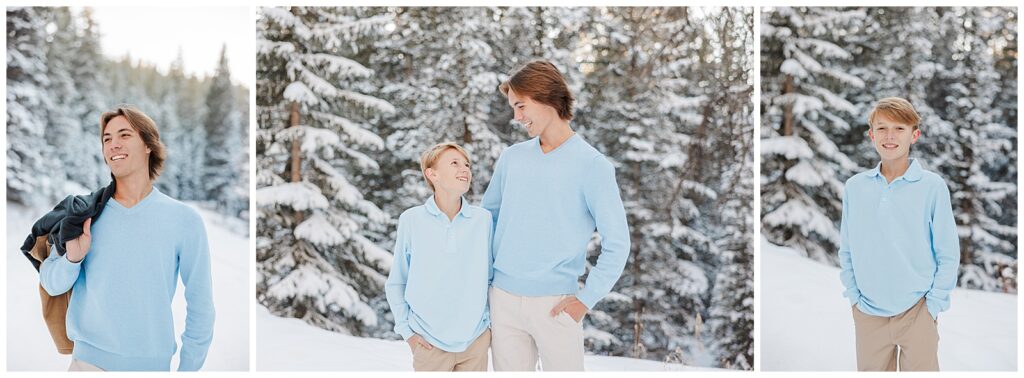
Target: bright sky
{"x":154,"y":35}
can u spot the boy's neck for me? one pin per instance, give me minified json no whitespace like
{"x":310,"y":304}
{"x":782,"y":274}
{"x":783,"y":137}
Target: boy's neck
{"x":131,"y":190}
{"x":891,"y":169}
{"x":449,"y":203}
{"x":555,"y":135}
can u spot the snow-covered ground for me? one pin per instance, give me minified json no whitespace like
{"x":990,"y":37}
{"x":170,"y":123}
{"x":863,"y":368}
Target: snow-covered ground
{"x":30,"y":348}
{"x":806,"y":323}
{"x":292,"y":345}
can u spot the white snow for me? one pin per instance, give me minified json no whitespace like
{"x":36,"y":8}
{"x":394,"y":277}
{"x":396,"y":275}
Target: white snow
{"x":30,"y":348}
{"x":807,"y":324}
{"x":292,"y":345}
{"x":791,"y":147}
{"x":298,"y":195}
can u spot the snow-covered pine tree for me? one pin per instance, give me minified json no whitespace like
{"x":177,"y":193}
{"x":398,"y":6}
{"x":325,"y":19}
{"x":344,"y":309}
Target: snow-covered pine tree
{"x":72,"y":143}
{"x":222,"y":139}
{"x":314,"y":257}
{"x":440,"y":71}
{"x":805,"y":71}
{"x":32,"y":179}
{"x":646,"y":114}
{"x":973,"y":161}
{"x":730,"y":317}
{"x":86,"y":67}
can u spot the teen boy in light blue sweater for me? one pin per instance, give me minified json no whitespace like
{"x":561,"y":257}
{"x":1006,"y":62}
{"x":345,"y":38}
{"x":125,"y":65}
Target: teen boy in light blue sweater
{"x":899,"y":249}
{"x":547,"y":196}
{"x":437,"y":288}
{"x":124,"y":268}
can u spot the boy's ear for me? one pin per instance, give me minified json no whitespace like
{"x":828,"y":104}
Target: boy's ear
{"x":431,"y":174}
{"x":917,"y":134}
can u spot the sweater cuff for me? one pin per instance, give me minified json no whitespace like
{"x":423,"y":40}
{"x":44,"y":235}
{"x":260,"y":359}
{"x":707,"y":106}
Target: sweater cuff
{"x":405,"y":331}
{"x":187,"y":364}
{"x":588,"y":298}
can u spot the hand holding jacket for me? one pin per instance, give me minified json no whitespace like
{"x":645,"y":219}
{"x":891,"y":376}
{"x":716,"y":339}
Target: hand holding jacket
{"x":78,"y":247}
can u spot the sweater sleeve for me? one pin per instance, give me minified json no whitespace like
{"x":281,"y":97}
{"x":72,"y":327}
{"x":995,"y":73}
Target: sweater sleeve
{"x":493,"y":193}
{"x":394,"y":287}
{"x":605,"y":205}
{"x":845,"y":259}
{"x":57,"y":274}
{"x":946,"y":248}
{"x":194,"y":265}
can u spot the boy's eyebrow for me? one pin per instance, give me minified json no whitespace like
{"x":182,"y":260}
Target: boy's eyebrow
{"x":128,"y":129}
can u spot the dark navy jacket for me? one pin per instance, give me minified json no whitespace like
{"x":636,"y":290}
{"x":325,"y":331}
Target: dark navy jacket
{"x":64,"y":223}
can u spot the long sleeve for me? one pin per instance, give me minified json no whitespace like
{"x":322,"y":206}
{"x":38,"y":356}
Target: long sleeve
{"x":490,"y":255}
{"x":605,"y":205}
{"x":946,"y":248}
{"x":194,"y":265}
{"x":394,"y":287}
{"x":845,"y":259}
{"x":57,"y":274}
{"x":492,"y":195}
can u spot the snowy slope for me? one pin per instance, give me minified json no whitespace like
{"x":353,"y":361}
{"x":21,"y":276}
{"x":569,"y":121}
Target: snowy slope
{"x":29,"y":347}
{"x":806,"y":323}
{"x":292,"y":345}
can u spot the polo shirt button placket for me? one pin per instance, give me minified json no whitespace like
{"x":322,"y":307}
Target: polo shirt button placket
{"x":449,"y":242}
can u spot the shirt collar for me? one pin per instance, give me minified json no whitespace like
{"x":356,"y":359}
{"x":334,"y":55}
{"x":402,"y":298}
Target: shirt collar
{"x":432,"y":208}
{"x":912,"y":174}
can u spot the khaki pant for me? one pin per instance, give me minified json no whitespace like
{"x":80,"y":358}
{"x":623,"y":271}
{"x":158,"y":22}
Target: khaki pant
{"x":524,"y":329}
{"x":473,"y":358}
{"x":912,"y":338}
{"x":79,"y":365}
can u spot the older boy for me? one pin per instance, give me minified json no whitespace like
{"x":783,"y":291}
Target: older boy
{"x":548,"y":195}
{"x":898,"y":250}
{"x":437,"y":288}
{"x":119,"y":317}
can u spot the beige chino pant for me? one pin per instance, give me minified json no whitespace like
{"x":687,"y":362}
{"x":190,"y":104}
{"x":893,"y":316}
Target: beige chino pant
{"x":473,"y":358}
{"x":911,"y":337}
{"x":79,"y":365}
{"x":525,"y":330}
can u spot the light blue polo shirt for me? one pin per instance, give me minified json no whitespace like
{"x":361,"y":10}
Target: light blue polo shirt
{"x":438,"y":283}
{"x":898,"y":242}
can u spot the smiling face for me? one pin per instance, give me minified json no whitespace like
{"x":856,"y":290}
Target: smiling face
{"x":534,"y":116}
{"x":892,"y":139}
{"x":451,"y":173}
{"x":123,"y":149}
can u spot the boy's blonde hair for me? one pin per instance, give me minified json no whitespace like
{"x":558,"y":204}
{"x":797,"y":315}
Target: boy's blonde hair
{"x":430,"y":157}
{"x":897,"y":109}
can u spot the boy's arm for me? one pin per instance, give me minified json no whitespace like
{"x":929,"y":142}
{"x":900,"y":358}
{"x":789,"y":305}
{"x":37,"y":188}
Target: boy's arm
{"x":605,"y":205}
{"x":493,"y":193}
{"x":946,"y":249}
{"x":194,"y":265}
{"x":490,"y":254}
{"x":845,"y":259}
{"x":57,"y":274}
{"x":394,"y":287}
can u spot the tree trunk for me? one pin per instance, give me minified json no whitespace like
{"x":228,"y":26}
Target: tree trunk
{"x":295,"y":160}
{"x":787,"y":112}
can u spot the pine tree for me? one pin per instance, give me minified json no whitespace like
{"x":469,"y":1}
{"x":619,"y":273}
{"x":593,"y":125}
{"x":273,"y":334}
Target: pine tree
{"x":804,"y":74}
{"x":222,"y":138}
{"x":315,"y":257}
{"x":647,"y":121}
{"x":433,"y":104}
{"x":29,"y":179}
{"x":731,"y":312}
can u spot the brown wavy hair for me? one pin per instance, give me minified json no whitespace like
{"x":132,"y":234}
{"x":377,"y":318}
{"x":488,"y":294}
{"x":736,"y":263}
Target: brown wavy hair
{"x":146,"y":129}
{"x":542,"y":82}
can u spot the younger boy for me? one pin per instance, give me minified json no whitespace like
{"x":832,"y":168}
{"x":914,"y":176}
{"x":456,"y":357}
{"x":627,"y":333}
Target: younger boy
{"x":898,"y":249}
{"x":437,"y":288}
